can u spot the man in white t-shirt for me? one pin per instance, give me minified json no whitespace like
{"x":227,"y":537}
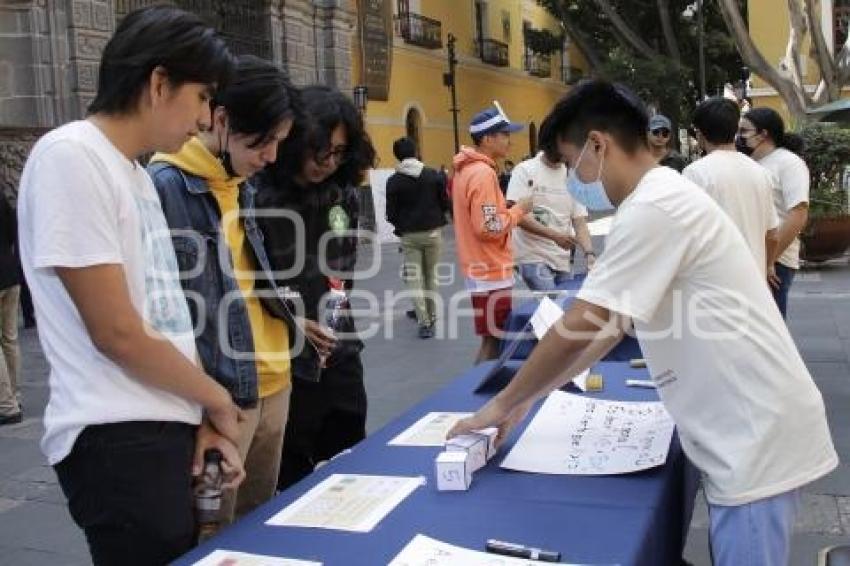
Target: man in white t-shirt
{"x":748,"y":414}
{"x":762,"y":136}
{"x":742,"y":187}
{"x":544,"y":239}
{"x":126,"y":396}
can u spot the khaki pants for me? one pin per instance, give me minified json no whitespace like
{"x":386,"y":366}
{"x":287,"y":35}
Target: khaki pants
{"x":421,"y":255}
{"x":260,"y":443}
{"x":11,"y":355}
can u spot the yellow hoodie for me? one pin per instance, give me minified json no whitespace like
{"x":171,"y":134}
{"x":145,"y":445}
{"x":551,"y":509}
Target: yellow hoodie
{"x":271,"y":341}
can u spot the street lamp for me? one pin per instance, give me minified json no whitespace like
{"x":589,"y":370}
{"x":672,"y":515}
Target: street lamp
{"x":361,"y":98}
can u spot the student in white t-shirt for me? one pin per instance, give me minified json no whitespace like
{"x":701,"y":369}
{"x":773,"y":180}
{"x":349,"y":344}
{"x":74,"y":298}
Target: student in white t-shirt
{"x":762,"y":135}
{"x":544,"y":239}
{"x":126,"y":396}
{"x":748,"y":414}
{"x":742,"y":187}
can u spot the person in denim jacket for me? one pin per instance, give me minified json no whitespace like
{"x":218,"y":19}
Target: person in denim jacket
{"x":209,"y":208}
{"x":314,"y":183}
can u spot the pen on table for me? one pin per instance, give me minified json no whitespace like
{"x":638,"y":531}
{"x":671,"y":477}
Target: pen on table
{"x":520,"y":551}
{"x":649,"y":384}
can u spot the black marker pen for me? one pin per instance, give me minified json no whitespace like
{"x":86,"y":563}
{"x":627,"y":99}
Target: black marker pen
{"x":519,"y":551}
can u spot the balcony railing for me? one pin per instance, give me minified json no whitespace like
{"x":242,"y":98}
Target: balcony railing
{"x":493,"y":52}
{"x":538,"y":64}
{"x":419,"y":30}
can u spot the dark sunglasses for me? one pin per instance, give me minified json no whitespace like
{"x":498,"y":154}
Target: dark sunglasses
{"x":663,"y":132}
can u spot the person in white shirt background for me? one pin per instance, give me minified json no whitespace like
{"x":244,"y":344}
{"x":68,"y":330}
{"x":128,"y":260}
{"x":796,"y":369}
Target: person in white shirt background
{"x":748,"y":413}
{"x":742,"y":187}
{"x":543,"y":240}
{"x":762,"y":135}
{"x":130,"y":413}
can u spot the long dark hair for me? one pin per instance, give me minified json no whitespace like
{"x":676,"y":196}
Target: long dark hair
{"x":769,"y":120}
{"x":323,"y":109}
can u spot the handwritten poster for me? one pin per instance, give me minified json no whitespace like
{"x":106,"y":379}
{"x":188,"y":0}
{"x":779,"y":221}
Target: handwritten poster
{"x":233,"y":558}
{"x":576,"y":435}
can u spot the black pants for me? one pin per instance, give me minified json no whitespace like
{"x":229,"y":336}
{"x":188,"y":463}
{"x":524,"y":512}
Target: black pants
{"x":325,"y":418}
{"x":129,"y":487}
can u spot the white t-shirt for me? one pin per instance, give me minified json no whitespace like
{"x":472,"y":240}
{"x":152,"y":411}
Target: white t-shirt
{"x":792,"y":189}
{"x":744,"y":189}
{"x":553,"y":207}
{"x":748,"y":413}
{"x":82,"y":203}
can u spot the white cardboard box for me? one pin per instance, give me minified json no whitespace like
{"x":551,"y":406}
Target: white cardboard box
{"x":453,"y":471}
{"x":473,"y":444}
{"x":490,"y":434}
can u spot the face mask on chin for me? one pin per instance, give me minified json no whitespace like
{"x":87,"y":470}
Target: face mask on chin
{"x":592,"y":195}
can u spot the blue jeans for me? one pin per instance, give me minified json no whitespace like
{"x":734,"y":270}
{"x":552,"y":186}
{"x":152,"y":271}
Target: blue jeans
{"x":541,"y":277}
{"x":754,"y":534}
{"x":786,"y":276}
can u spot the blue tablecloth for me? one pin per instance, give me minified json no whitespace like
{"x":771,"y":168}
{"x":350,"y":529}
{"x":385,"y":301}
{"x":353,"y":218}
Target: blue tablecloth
{"x":515,"y":327}
{"x":638,"y":518}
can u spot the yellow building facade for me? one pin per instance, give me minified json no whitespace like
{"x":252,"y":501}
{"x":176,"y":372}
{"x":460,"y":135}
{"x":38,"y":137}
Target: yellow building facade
{"x":493,"y":64}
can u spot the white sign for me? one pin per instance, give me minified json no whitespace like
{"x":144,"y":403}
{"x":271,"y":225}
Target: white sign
{"x":378,"y":182}
{"x":575,"y":435}
{"x":347,"y":502}
{"x":233,"y":558}
{"x":430,"y":430}
{"x":426,"y":551}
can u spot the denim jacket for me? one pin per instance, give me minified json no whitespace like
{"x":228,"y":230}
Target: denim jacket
{"x":194,"y":218}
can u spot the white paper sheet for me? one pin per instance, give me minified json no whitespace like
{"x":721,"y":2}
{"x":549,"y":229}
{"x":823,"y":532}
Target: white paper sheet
{"x":426,"y":551}
{"x":430,"y":430}
{"x":347,"y":502}
{"x":233,"y":558}
{"x":575,"y":435}
{"x":547,"y":313}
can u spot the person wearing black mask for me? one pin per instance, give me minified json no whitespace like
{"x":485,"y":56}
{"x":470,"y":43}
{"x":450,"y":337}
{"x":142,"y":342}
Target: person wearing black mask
{"x":762,"y":136}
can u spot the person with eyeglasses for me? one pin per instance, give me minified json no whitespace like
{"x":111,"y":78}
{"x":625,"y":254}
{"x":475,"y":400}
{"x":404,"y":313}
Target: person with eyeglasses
{"x":659,"y":137}
{"x":309,"y":212}
{"x":762,"y":136}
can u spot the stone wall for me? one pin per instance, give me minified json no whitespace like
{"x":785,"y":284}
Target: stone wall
{"x":50,"y":49}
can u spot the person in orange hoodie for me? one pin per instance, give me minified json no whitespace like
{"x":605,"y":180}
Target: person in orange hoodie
{"x":483,"y":224}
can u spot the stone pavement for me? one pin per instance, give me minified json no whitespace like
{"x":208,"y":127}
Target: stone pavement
{"x":35,"y":528}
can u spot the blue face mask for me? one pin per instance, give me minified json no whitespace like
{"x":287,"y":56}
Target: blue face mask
{"x":591,"y":195}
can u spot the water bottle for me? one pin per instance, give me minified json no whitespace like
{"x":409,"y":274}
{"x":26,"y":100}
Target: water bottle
{"x":335,"y":309}
{"x":208,"y":495}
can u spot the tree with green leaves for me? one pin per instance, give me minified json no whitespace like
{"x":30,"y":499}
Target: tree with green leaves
{"x":652,"y":46}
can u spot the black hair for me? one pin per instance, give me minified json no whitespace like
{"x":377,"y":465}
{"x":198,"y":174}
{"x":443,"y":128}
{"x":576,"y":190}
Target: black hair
{"x":404,"y":148}
{"x":258,"y":98}
{"x":548,"y":143}
{"x":159,"y":36}
{"x":769,"y":120}
{"x":477,"y":138}
{"x":599,"y":105}
{"x":325,"y":108}
{"x":717,"y":120}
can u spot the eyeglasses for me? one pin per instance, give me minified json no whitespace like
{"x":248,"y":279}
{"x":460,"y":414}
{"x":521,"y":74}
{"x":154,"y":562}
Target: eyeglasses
{"x":662,"y":132}
{"x":742,"y":131}
{"x":339,"y":154}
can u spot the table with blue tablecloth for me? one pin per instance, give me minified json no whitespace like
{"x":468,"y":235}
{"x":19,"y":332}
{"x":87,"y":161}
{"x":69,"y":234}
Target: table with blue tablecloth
{"x":525,"y":303}
{"x":634,"y":519}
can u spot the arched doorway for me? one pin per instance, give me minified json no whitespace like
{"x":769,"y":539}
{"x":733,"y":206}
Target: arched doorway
{"x":413,"y":129}
{"x":532,"y":139}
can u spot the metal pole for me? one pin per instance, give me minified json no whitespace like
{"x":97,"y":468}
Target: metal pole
{"x":451,"y":82}
{"x":701,"y":35}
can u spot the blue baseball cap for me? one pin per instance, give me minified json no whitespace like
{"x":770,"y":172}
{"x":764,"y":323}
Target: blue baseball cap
{"x":491,"y":121}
